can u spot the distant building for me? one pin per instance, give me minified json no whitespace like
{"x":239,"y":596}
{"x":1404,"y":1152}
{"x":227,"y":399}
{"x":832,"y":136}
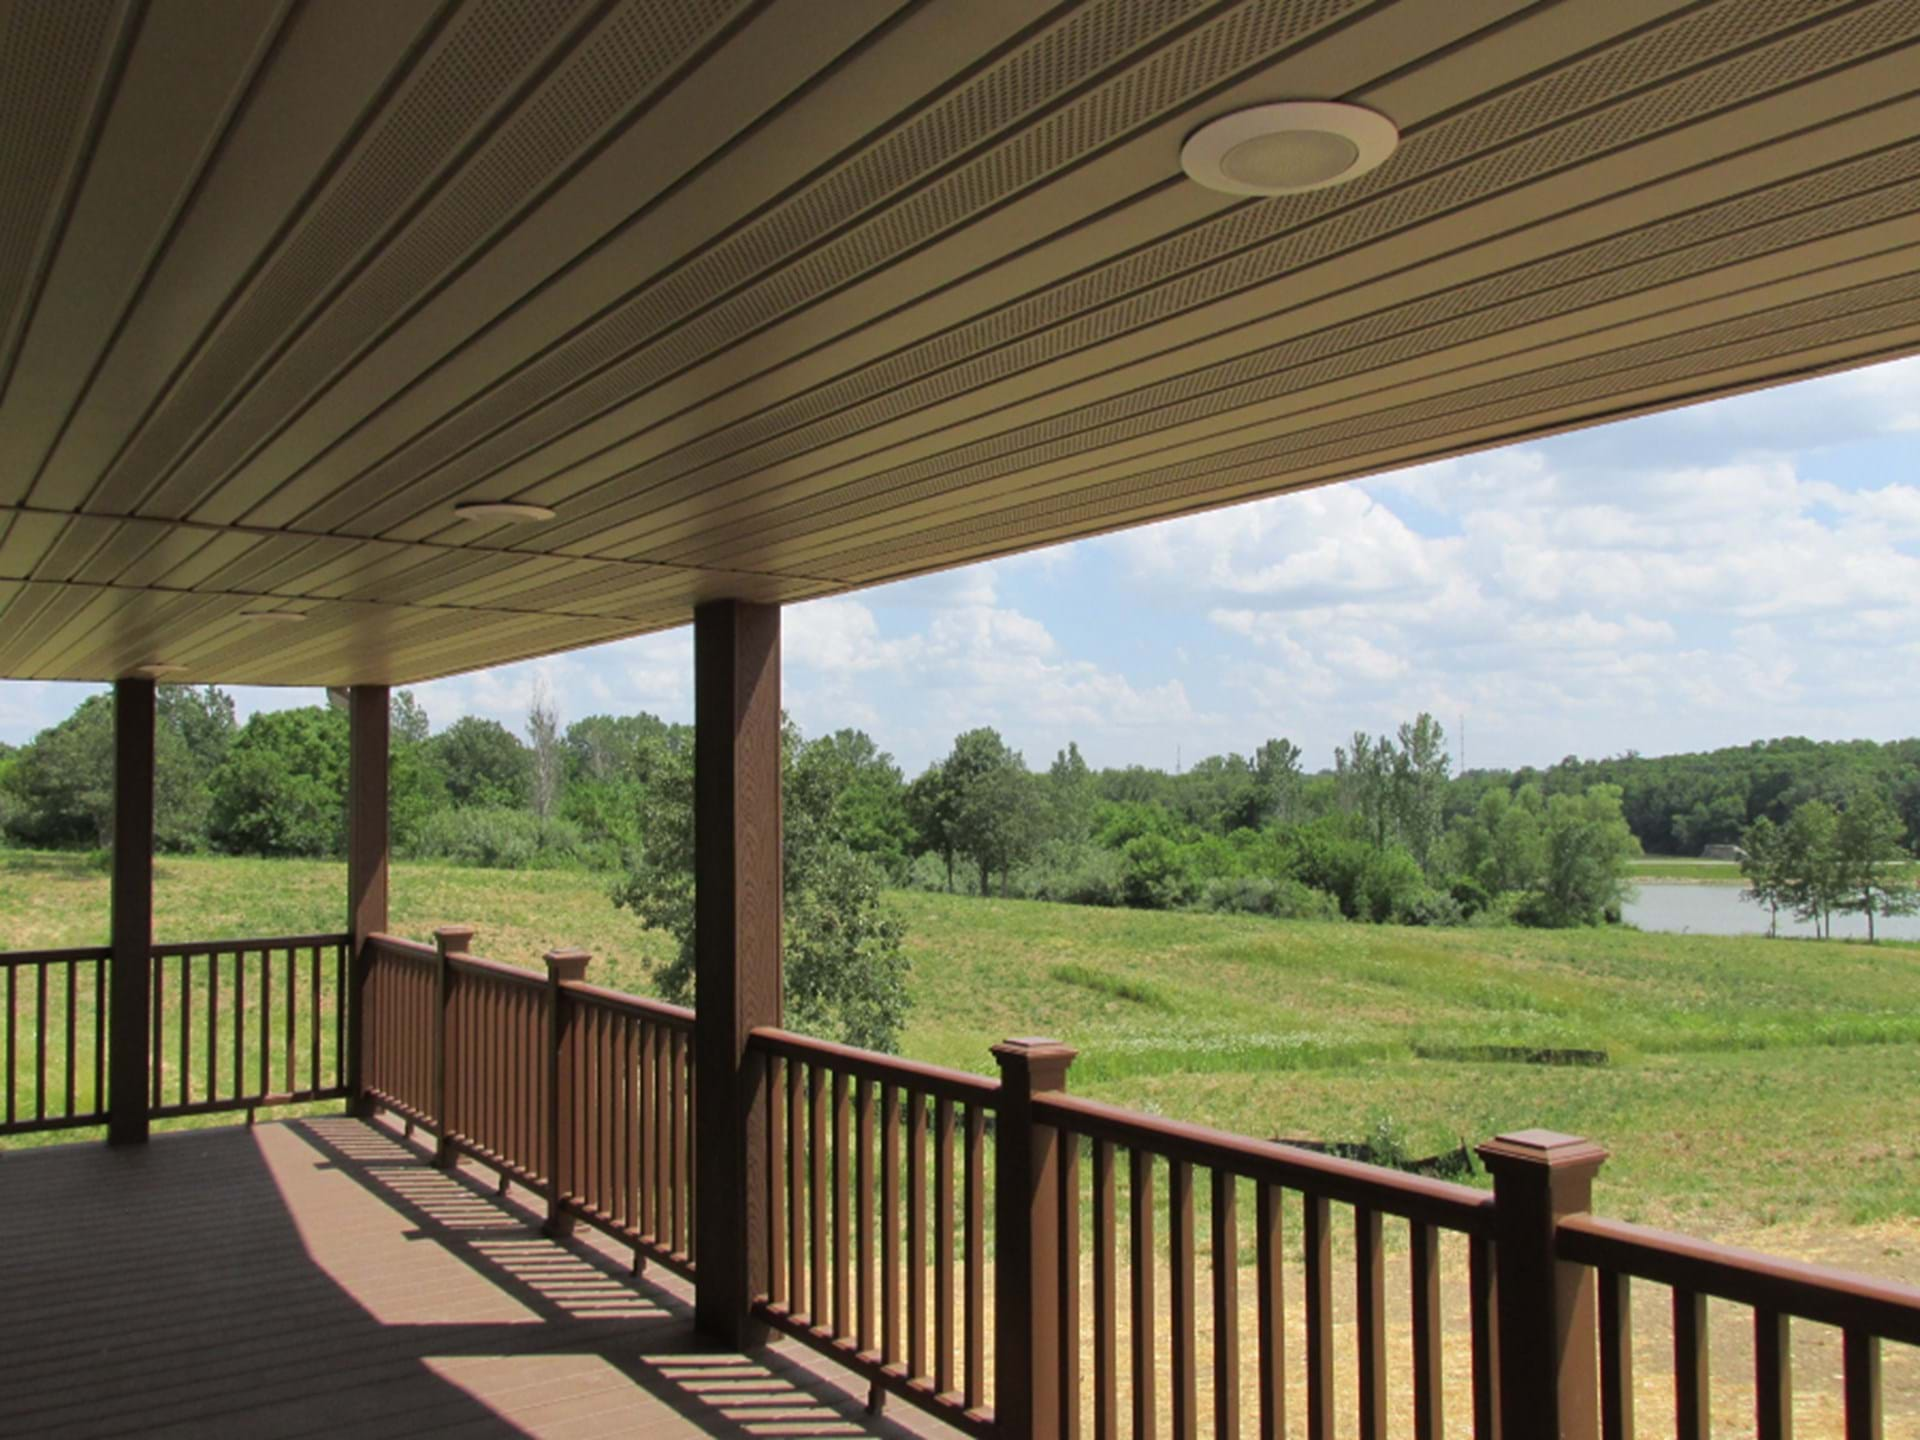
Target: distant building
{"x":1723,"y":852}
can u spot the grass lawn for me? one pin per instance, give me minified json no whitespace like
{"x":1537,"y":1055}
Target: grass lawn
{"x":1699,"y":872}
{"x":1748,"y":1083}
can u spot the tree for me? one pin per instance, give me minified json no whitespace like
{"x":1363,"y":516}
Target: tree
{"x":1869,"y":861}
{"x":1070,"y":796}
{"x":1762,"y":865}
{"x":1420,"y":768}
{"x":407,"y":719}
{"x":61,"y":784}
{"x":1812,"y":881}
{"x":484,"y":763}
{"x":543,"y":735}
{"x":931,"y":801}
{"x":996,"y":812}
{"x":1587,"y":846}
{"x":844,"y":974}
{"x":283,"y":788}
{"x":1276,"y":769}
{"x":1363,"y":777}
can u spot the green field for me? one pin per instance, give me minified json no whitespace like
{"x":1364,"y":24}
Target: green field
{"x":1748,"y":1084}
{"x":1700,"y":872}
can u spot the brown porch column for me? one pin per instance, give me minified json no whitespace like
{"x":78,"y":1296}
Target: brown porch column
{"x":128,"y":1063}
{"x":367,"y":811}
{"x":737,"y":896}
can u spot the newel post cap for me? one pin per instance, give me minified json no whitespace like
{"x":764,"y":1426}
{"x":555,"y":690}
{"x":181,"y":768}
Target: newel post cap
{"x":455,"y":939}
{"x":567,"y":964}
{"x":1034,"y":1062}
{"x":1521,"y":1150}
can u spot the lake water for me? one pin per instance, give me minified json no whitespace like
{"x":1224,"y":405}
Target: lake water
{"x":1719,"y":910}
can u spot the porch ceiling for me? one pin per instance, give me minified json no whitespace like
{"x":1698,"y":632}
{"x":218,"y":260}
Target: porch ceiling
{"x":779,"y":299}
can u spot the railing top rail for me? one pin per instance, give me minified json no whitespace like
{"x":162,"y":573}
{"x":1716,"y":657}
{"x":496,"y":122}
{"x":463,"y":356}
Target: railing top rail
{"x":1393,"y":1192}
{"x":937,"y":1080}
{"x":11,"y":958}
{"x":1885,"y":1308}
{"x":676,"y":1017}
{"x":496,"y":970}
{"x":267,"y":942}
{"x":405,"y":949}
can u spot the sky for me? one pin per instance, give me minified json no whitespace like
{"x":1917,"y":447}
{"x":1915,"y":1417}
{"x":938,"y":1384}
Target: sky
{"x":1708,"y":576}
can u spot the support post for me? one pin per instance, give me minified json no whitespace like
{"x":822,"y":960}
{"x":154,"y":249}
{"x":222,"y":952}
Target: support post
{"x":1548,"y":1332}
{"x":1026,"y":1231}
{"x":448,"y":940}
{"x":737,"y":908}
{"x":130,"y":1014}
{"x":562,"y":966}
{"x":367,"y":825}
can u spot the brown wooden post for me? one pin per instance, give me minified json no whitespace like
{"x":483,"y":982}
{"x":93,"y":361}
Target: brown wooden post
{"x":449,"y":940}
{"x":1548,"y":1334}
{"x":129,"y":1058}
{"x":367,"y":811}
{"x":737,"y":906}
{"x":1026,"y":1232}
{"x":562,"y":966}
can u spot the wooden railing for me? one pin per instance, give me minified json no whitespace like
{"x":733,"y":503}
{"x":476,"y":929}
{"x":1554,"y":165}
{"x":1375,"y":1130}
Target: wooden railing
{"x":581,"y":1094}
{"x":55,"y":1039}
{"x":236,"y":1025}
{"x":1865,"y":1311}
{"x":244,"y":1024}
{"x":864,"y":1154}
{"x":1219,"y":1166}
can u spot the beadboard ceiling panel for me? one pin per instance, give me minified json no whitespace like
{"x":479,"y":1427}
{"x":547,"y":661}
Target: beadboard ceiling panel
{"x":776,"y":299}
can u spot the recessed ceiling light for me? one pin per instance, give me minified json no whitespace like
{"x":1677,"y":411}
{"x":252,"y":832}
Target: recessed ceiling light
{"x":1286,"y":148}
{"x":501,"y":510}
{"x":275,"y":617}
{"x":155,"y":671}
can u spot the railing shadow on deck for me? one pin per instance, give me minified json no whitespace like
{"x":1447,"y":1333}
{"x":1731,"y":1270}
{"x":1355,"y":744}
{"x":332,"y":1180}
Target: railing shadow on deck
{"x":225,"y":1281}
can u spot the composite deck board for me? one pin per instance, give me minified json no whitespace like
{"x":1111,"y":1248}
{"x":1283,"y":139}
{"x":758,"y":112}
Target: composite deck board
{"x":320,"y":1277}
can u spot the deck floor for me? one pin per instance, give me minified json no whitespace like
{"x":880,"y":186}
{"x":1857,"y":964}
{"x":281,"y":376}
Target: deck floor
{"x":319,"y":1277}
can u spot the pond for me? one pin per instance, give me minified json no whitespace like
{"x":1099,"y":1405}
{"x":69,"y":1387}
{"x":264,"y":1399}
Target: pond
{"x":1719,"y":910}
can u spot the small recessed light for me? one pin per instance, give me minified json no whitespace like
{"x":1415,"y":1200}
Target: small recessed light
{"x":1287,"y":148}
{"x":275,"y":617}
{"x":156,"y":671}
{"x":501,"y":510}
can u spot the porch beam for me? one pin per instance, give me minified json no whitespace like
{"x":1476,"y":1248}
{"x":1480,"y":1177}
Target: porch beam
{"x":368,"y":802}
{"x":737,"y":909}
{"x":128,"y":1058}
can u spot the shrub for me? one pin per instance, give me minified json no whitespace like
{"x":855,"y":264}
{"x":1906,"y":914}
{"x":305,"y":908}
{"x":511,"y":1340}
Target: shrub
{"x":502,"y":839}
{"x":1153,"y":874}
{"x":1283,"y":899}
{"x":1072,"y":875}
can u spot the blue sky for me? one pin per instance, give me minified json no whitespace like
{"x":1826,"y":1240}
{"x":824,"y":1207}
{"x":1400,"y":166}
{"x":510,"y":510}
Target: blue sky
{"x":1704,"y":577}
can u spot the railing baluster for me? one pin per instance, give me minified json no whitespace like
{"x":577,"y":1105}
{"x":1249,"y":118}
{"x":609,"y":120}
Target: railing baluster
{"x":186,"y":1026}
{"x":1317,"y":1242}
{"x":1146,"y":1419}
{"x":1772,"y":1376}
{"x":975,"y":1289}
{"x":819,"y":1259}
{"x":630,"y":1117}
{"x":1616,"y":1355}
{"x":842,"y":1269}
{"x":1069,"y":1285}
{"x":239,"y":1022}
{"x":1185,"y":1369}
{"x":1484,"y":1321}
{"x":313,"y":1019}
{"x":13,"y":1043}
{"x":1424,"y":1268}
{"x":1370,"y":1320}
{"x":943,"y":1247}
{"x":680,"y":1101}
{"x":796,"y":1187}
{"x":266,"y":1018}
{"x":340,"y":1002}
{"x":916,"y":1234}
{"x":72,"y":1023}
{"x":291,"y":1007}
{"x":99,"y":1040}
{"x":863,"y":1214}
{"x":1226,"y":1305}
{"x":40,"y":1041}
{"x":889,"y":1225}
{"x":1861,"y":1370}
{"x":774,"y":1076}
{"x":1106,"y":1308}
{"x":1690,"y":1365}
{"x":159,"y":995}
{"x":1270,"y":1278}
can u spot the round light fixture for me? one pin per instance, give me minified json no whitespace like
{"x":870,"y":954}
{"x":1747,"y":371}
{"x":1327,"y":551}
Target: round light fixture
{"x":275,"y":617}
{"x":1286,"y":148}
{"x":501,"y":510}
{"x":155,"y":671}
